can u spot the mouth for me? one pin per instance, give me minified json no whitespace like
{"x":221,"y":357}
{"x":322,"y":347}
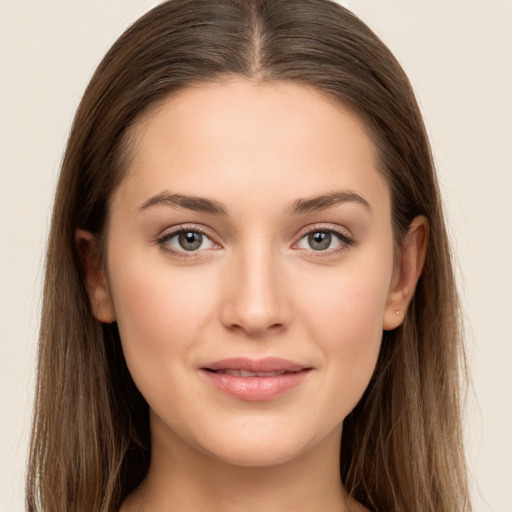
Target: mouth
{"x":246,"y":373}
{"x":255,"y":380}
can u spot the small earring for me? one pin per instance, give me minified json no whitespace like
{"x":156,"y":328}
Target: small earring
{"x":398,"y":312}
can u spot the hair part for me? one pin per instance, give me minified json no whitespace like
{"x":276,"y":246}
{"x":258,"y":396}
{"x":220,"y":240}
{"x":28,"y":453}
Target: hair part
{"x":402,"y":444}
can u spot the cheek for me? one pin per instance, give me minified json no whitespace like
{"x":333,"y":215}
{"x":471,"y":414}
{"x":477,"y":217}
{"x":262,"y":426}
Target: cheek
{"x":160,"y":315}
{"x":348,"y":302}
{"x":345,"y":318}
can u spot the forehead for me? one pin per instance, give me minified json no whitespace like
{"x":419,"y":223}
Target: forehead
{"x":280,"y":140}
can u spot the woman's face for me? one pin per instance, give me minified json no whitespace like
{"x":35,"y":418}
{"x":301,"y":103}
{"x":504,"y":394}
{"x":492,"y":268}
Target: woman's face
{"x":250,"y":267}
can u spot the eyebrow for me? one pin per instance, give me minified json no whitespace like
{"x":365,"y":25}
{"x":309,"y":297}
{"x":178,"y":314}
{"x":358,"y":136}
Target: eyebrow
{"x":297,"y":207}
{"x":197,"y":204}
{"x":324,"y":201}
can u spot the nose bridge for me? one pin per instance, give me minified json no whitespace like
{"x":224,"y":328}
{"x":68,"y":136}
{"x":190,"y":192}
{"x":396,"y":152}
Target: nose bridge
{"x":257,"y":300}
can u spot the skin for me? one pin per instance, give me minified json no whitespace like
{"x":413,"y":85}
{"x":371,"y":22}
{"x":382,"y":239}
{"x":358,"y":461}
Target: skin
{"x":257,"y":287}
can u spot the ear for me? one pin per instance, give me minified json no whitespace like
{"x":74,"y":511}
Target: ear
{"x":407,"y":272}
{"x":95,"y":279}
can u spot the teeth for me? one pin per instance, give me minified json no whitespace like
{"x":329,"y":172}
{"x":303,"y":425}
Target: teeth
{"x":245,"y":373}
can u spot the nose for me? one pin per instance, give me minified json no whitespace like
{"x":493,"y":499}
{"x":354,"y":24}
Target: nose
{"x":256,"y":299}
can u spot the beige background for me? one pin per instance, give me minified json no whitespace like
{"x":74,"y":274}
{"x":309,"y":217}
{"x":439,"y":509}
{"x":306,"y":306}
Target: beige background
{"x":458,"y":54}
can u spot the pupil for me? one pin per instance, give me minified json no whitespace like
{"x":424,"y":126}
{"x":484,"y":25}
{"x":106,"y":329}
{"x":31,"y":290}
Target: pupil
{"x":320,"y":240}
{"x":190,"y":240}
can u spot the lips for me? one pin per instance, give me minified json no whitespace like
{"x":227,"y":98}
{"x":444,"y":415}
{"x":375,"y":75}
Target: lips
{"x":245,"y":373}
{"x":255,"y":380}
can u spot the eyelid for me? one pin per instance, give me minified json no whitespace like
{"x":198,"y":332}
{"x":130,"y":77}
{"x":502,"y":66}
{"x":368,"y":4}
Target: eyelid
{"x":346,"y":238}
{"x":332,"y":228}
{"x":171,"y":232}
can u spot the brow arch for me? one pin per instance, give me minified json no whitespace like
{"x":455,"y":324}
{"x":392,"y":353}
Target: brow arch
{"x":297,"y":207}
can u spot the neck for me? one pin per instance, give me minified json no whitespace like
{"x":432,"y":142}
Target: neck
{"x":181,"y":478}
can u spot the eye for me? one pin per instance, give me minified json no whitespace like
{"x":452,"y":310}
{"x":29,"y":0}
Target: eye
{"x":324,"y":240}
{"x":186,"y":240}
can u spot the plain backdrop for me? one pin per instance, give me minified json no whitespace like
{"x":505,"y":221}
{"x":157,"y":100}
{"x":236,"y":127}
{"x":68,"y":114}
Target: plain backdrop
{"x":458,"y":55}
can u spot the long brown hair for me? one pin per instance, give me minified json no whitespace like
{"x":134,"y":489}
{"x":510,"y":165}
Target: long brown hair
{"x":401,"y":446}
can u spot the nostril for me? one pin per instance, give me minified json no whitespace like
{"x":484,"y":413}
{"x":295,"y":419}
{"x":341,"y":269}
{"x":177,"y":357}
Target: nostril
{"x":256,"y":309}
{"x":255,"y":330}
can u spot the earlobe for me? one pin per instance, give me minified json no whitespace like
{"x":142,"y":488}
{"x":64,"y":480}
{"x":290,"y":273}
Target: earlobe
{"x":407,"y":272}
{"x":94,"y":275}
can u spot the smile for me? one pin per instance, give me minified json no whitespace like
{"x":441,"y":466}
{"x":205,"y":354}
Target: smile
{"x":255,"y":380}
{"x":245,"y":373}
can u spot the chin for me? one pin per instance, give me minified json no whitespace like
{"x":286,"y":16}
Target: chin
{"x":265,"y":447}
{"x":257,"y":456}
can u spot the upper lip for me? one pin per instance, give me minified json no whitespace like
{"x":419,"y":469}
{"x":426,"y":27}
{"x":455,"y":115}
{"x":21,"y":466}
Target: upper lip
{"x":267,"y":364}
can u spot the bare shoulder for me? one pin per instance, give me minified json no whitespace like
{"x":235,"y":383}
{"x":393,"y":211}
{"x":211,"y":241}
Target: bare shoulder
{"x":131,"y":503}
{"x":355,"y":506}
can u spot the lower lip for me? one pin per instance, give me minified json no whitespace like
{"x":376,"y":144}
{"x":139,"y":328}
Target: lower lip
{"x":255,"y":388}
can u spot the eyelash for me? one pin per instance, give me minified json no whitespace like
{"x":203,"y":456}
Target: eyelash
{"x":345,"y":242}
{"x":183,"y":254}
{"x":343,"y":238}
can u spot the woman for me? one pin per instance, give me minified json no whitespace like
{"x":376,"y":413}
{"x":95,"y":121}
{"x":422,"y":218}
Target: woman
{"x":249,"y":302}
